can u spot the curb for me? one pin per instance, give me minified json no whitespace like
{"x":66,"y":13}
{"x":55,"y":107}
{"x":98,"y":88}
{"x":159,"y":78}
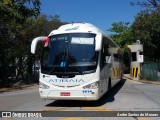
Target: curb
{"x":128,"y":78}
{"x":144,"y":81}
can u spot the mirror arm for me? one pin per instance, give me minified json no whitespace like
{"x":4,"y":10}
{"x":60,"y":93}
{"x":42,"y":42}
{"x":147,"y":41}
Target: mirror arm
{"x":35,"y":42}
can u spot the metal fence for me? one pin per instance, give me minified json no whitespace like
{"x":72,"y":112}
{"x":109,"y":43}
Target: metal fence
{"x":150,"y":71}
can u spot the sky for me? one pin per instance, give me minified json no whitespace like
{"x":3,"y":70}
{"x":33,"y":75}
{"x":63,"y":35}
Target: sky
{"x":101,"y":13}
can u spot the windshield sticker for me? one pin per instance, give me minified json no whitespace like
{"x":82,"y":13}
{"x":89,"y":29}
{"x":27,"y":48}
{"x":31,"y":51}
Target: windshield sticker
{"x":63,"y":64}
{"x":86,"y":41}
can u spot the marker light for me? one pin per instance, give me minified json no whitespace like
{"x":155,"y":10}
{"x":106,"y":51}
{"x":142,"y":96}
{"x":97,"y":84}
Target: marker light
{"x":46,"y":42}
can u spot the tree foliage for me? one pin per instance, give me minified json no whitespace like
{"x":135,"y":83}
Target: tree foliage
{"x":146,"y":28}
{"x":120,"y":33}
{"x":20,"y":22}
{"x":19,"y":9}
{"x":13,"y":14}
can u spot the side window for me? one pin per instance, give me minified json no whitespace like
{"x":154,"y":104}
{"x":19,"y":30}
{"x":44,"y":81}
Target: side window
{"x":134,"y":56}
{"x":102,"y":57}
{"x":116,"y":57}
{"x":44,"y":59}
{"x":105,"y":56}
{"x":121,"y":58}
{"x":106,"y":52}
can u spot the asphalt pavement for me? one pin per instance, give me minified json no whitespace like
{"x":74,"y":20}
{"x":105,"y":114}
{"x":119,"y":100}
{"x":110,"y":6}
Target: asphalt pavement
{"x":128,"y":96}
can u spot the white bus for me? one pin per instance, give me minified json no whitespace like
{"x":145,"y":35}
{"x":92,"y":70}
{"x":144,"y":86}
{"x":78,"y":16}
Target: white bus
{"x":78,"y":62}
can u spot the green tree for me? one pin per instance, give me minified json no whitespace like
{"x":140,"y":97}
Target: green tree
{"x":17,"y":49}
{"x":121,"y":32}
{"x":13,"y":14}
{"x":147,"y":28}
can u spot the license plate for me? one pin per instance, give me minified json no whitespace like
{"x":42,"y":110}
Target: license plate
{"x":65,"y":94}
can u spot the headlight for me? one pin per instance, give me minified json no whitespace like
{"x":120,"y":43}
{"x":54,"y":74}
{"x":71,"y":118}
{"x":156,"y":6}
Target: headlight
{"x":92,"y":85}
{"x":43,"y":86}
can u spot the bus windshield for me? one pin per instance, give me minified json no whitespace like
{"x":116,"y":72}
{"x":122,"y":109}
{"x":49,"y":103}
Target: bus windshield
{"x":72,"y":53}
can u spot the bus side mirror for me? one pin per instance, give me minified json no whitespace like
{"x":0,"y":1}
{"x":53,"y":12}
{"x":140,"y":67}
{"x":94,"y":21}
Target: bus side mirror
{"x":98,"y":42}
{"x":35,"y":42}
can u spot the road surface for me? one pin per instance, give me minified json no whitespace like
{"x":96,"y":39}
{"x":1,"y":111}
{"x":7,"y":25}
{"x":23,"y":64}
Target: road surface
{"x":126,"y":96}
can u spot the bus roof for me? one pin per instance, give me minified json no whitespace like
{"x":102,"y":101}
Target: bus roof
{"x":80,"y":28}
{"x":76,"y":28}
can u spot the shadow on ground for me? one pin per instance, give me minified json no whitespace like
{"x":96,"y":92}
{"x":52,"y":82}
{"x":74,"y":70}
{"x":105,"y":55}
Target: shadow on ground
{"x":108,"y":97}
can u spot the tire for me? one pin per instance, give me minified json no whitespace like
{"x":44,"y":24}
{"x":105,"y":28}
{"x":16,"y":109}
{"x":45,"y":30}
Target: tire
{"x":109,"y":86}
{"x":121,"y":77}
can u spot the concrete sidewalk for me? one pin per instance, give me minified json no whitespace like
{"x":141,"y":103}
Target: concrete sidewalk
{"x":128,"y":77}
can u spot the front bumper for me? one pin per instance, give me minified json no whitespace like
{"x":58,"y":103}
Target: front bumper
{"x":83,"y":94}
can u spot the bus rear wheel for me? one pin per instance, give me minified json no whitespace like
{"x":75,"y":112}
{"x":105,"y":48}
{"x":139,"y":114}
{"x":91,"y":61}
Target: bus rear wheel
{"x":109,"y":86}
